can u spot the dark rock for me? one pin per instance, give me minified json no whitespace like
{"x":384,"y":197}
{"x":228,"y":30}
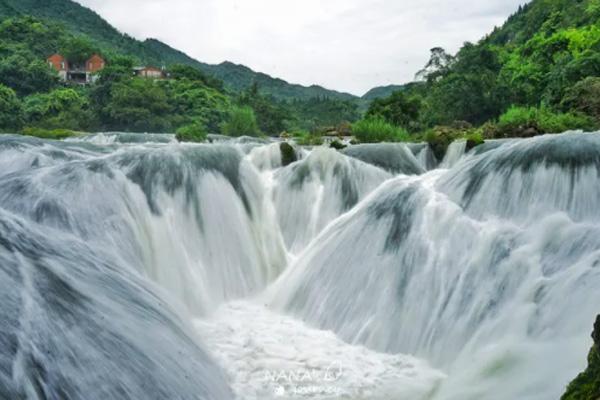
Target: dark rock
{"x":336,"y":144}
{"x":288,"y":154}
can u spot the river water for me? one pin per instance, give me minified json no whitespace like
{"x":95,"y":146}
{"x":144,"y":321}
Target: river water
{"x":134,"y":267}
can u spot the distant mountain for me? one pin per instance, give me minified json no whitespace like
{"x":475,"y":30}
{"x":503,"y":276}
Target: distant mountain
{"x":82,"y":20}
{"x":381,"y":91}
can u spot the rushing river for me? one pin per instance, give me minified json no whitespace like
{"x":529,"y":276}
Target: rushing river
{"x":134,"y":267}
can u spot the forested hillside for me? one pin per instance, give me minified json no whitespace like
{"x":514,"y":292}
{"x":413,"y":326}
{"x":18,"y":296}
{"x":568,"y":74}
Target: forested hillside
{"x":538,"y":73}
{"x":81,"y":20}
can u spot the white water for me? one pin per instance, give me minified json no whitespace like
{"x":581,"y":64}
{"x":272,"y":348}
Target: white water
{"x":218,"y":273}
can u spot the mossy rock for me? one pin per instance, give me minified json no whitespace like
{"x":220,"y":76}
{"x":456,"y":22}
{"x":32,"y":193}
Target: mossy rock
{"x":587,"y":385}
{"x":336,"y":144}
{"x":288,"y":154}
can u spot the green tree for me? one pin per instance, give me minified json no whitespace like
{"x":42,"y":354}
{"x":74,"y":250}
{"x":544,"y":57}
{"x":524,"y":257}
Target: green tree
{"x":11,"y":110}
{"x":26,"y":74}
{"x":194,"y":132}
{"x":242,"y":122}
{"x":270,"y":116}
{"x":181,"y":71}
{"x":584,"y":97}
{"x":138,"y":105}
{"x":59,"y":109}
{"x":398,"y":109}
{"x":78,"y":49}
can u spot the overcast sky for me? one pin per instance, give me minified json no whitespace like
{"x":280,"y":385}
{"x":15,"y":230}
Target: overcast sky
{"x":347,"y":45}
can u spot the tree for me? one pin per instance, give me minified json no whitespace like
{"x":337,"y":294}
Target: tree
{"x":26,"y":74}
{"x":59,"y":109}
{"x":438,"y":64}
{"x":398,"y":109}
{"x":182,"y":71}
{"x":138,"y":105}
{"x":78,"y":49}
{"x":242,"y":122}
{"x":11,"y":110}
{"x":584,"y":97}
{"x":270,"y":116}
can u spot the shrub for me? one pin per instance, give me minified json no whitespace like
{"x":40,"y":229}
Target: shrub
{"x":11,"y":110}
{"x":304,"y":138}
{"x":55,"y":134}
{"x":376,"y":129}
{"x":440,"y":137}
{"x":242,"y":122}
{"x":532,"y":121}
{"x":194,"y":132}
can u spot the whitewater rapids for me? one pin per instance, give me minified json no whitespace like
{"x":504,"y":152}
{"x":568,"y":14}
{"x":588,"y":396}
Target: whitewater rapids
{"x":132,"y":266}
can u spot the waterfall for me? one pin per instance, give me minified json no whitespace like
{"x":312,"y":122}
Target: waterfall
{"x":132,"y":266}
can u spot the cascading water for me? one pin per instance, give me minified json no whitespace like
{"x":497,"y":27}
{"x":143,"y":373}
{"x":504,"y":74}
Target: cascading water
{"x":133,"y":267}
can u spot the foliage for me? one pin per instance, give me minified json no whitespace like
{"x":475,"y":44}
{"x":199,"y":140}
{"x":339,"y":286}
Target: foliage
{"x":55,"y":134}
{"x":538,"y":59}
{"x":187,"y":72}
{"x":531,"y":121}
{"x":191,"y":101}
{"x":138,"y":105}
{"x":25,"y":74}
{"x":377,"y":129}
{"x":242,"y":122}
{"x":77,"y":49}
{"x":398,"y":109}
{"x":271,"y":117}
{"x":195,"y":132}
{"x":11,"y":110}
{"x":584,"y":97}
{"x":59,"y":109}
{"x":440,"y":137}
{"x":587,"y":385}
{"x":318,"y":112}
{"x":305,"y":138}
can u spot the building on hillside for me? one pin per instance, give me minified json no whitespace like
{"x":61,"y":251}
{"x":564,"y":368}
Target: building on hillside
{"x":60,"y":64}
{"x":149,"y":72}
{"x":82,"y":73}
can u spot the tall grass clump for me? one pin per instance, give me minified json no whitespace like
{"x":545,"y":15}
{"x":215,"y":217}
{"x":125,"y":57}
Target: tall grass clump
{"x":376,"y":129}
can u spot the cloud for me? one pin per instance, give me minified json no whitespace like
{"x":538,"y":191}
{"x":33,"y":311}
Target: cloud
{"x":348,"y":45}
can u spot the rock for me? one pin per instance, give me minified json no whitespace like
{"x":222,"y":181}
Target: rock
{"x":288,"y":154}
{"x":336,"y":144}
{"x":587,"y":385}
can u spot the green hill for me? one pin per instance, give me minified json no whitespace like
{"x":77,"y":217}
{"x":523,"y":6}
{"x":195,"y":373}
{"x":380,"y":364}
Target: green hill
{"x":537,"y":73}
{"x":81,"y":20}
{"x":381,"y":91}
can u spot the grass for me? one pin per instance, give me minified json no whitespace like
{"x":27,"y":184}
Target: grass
{"x":376,"y":129}
{"x":54,"y":134}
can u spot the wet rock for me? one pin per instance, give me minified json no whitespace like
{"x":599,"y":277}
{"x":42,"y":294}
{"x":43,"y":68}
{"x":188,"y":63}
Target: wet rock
{"x":288,"y":154}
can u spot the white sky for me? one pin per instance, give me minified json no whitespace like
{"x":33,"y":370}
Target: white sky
{"x":347,"y":45}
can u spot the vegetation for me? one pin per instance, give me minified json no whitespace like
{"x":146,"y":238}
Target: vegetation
{"x":11,"y":110}
{"x":49,"y":133}
{"x":377,"y":129}
{"x":195,"y":132}
{"x":539,"y":73}
{"x":587,"y":385}
{"x":242,"y":122}
{"x":532,"y":121}
{"x":305,"y":138}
